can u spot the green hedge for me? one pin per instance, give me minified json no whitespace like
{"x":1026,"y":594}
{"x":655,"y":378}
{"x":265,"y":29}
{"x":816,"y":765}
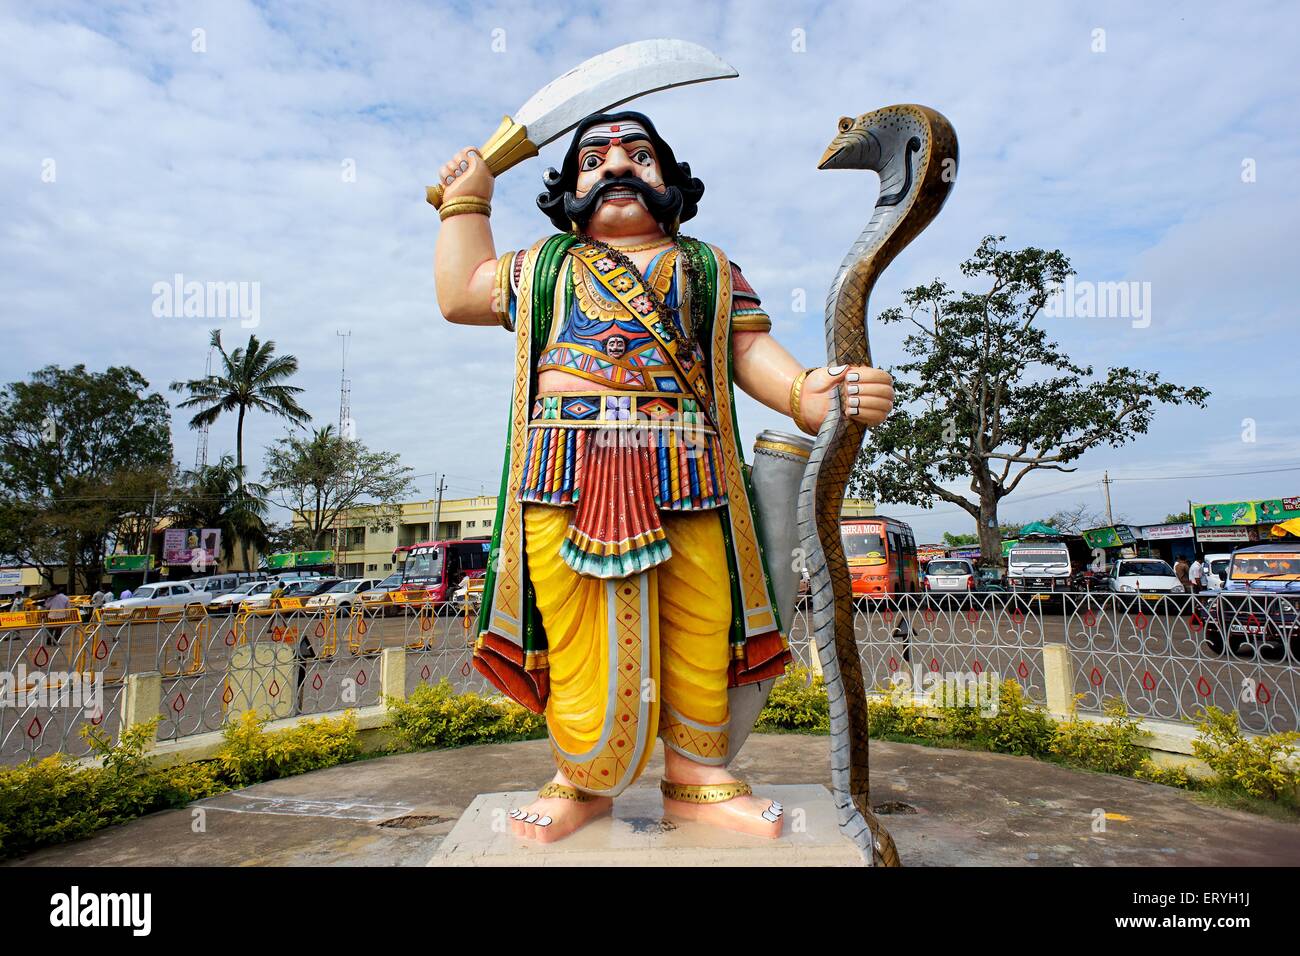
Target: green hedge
{"x":1255,"y":767}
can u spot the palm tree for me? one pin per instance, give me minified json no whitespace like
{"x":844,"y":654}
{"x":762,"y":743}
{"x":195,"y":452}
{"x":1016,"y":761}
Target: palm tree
{"x":216,"y":496}
{"x":251,"y":377}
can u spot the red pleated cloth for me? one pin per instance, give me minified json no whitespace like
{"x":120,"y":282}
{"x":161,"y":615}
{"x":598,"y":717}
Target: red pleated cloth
{"x":615,"y":531}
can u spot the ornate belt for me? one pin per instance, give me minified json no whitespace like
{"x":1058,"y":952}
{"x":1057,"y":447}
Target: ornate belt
{"x":659,"y":410}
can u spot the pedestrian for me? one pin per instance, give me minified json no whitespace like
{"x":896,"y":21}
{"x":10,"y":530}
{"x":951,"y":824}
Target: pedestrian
{"x":126,"y":593}
{"x":1197,"y":573}
{"x":97,"y":599}
{"x":1182,"y":570}
{"x":58,"y":604}
{"x":58,"y":601}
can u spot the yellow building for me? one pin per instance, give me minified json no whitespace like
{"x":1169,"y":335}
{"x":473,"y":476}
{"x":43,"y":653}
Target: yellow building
{"x":360,"y":552}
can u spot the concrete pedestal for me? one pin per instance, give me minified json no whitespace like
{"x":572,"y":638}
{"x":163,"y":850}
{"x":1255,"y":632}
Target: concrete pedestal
{"x":638,"y":835}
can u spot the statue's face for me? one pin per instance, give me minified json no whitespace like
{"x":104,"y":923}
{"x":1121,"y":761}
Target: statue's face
{"x":619,"y":151}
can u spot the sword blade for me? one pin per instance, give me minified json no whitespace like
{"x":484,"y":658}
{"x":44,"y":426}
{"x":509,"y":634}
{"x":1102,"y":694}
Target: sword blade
{"x":614,"y":77}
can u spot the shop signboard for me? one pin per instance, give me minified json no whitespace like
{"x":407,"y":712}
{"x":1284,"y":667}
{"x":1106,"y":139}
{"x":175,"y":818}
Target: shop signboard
{"x":1165,"y":532}
{"x":1238,"y":513}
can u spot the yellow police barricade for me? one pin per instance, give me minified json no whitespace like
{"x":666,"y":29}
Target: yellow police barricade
{"x":420,"y":603}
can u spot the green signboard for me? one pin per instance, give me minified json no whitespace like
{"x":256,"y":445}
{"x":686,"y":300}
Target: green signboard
{"x":122,"y":563}
{"x":298,"y":559}
{"x":1008,"y":545}
{"x":1115,"y":537}
{"x":1228,"y":514}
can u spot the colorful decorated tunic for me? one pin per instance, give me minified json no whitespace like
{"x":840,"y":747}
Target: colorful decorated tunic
{"x":655,"y":432}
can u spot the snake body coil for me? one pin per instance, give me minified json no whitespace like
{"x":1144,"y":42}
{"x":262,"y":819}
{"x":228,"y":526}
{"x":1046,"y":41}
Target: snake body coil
{"x":914,"y":150}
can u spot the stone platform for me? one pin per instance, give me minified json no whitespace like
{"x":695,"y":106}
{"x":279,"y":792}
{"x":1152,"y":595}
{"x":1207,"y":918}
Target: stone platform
{"x":636,"y":834}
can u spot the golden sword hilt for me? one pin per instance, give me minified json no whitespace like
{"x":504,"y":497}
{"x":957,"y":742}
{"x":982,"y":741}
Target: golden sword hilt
{"x":507,"y":147}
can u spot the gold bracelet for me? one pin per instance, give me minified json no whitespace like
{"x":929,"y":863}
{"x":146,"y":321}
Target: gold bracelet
{"x":467,"y":205}
{"x":796,"y":406}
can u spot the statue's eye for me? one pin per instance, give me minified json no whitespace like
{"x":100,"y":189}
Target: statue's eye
{"x":590,"y":161}
{"x":643,"y":157}
{"x":846,"y":124}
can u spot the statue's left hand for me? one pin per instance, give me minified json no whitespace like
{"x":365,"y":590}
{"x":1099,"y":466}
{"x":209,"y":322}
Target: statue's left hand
{"x":867,"y":395}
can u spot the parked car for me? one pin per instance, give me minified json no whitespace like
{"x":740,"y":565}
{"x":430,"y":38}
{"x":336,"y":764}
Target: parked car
{"x":391,"y":583}
{"x":343,"y":593}
{"x":1143,"y":578}
{"x":179,"y":594}
{"x":231,"y":601}
{"x":1258,"y":609}
{"x":1216,"y":570}
{"x":948,"y":576}
{"x":303,"y":588}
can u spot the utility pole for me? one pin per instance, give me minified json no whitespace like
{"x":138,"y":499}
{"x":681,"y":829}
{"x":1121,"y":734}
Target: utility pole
{"x":1105,"y":481}
{"x":437,"y":511}
{"x":148,"y":536}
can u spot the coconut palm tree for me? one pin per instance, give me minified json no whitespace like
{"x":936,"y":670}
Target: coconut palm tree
{"x":250,"y":377}
{"x":216,"y":496}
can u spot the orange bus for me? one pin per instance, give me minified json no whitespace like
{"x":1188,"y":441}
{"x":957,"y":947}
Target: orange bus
{"x":881,"y":554}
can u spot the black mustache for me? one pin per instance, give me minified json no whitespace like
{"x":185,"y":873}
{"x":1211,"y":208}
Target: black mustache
{"x":663,"y":206}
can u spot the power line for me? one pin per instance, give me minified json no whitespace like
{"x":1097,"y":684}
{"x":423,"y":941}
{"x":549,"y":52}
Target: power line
{"x":1221,"y":474}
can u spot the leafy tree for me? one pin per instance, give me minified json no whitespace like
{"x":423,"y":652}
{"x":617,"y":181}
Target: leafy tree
{"x":80,"y":454}
{"x":321,"y":477}
{"x":986,"y":397}
{"x":251,"y":377}
{"x":1180,"y":517}
{"x":216,"y":496}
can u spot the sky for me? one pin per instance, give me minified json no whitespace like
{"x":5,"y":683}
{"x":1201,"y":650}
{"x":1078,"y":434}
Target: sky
{"x":286,"y":147}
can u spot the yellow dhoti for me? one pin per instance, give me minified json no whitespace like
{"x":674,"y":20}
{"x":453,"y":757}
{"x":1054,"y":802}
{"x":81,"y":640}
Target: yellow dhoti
{"x":636,"y":657}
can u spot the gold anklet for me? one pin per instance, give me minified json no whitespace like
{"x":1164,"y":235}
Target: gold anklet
{"x":559,"y":790}
{"x":705,"y":792}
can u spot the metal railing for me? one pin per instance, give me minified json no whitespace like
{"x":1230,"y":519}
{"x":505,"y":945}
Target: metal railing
{"x":1166,"y":656}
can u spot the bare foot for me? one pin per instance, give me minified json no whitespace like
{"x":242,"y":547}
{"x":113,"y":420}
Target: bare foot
{"x":548,"y":819}
{"x":755,"y":815}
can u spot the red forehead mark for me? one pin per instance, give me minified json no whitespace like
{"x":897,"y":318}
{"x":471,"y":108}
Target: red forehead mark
{"x":615,"y":128}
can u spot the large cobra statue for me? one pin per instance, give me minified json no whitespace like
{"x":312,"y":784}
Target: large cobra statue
{"x":914,"y":150}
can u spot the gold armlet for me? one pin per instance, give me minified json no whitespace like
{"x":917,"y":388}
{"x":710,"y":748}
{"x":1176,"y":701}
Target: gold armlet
{"x":501,"y":291}
{"x":796,"y":401}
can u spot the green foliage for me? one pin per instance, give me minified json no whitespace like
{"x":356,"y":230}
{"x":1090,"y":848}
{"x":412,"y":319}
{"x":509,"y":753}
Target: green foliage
{"x":1256,"y":766}
{"x":1019,"y":726}
{"x":48,"y":801}
{"x":436,"y":716}
{"x":797,"y":702}
{"x":251,"y":755}
{"x":250,"y":378}
{"x":79,"y":450}
{"x":1112,"y":746}
{"x":56,"y":799}
{"x":984,"y":396}
{"x":1169,"y":776}
{"x":320,"y":477}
